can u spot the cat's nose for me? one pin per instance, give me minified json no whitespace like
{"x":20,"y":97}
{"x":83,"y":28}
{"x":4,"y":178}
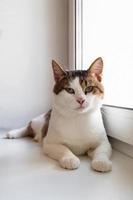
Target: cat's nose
{"x":80,"y":101}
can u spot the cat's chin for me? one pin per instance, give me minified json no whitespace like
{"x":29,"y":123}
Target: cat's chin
{"x":82,"y":109}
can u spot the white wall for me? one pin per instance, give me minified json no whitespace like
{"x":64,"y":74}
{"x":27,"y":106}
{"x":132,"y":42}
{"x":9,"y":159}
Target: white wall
{"x":32,"y":32}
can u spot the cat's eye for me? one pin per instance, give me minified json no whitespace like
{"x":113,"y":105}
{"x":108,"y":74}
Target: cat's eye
{"x":89,"y":89}
{"x":70,"y":90}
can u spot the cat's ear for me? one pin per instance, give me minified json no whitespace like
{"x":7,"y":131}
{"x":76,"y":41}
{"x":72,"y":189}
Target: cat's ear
{"x":58,"y":71}
{"x":96,"y":68}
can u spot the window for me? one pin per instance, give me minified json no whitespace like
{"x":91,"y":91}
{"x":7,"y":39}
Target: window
{"x":107,"y":31}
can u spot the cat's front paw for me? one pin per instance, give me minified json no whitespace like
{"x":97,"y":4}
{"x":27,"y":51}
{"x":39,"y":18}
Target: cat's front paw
{"x":101,"y":165}
{"x":70,"y":162}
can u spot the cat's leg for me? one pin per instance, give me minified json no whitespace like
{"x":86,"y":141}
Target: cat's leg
{"x":62,"y":154}
{"x":37,"y":128}
{"x":101,"y":157}
{"x":17,"y":133}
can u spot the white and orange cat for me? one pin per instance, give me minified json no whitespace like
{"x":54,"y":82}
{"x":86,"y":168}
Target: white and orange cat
{"x":74,"y":126}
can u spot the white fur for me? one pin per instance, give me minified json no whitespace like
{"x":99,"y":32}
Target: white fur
{"x":37,"y":125}
{"x":17,"y":133}
{"x":74,"y":131}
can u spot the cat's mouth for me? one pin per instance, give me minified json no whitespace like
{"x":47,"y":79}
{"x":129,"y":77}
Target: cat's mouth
{"x":82,"y":108}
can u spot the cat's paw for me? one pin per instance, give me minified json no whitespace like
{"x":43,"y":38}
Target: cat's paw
{"x":11,"y":134}
{"x":70,"y":162}
{"x":101,"y":165}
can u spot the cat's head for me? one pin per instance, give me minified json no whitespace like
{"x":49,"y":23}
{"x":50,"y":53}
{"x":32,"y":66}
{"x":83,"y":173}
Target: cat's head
{"x":78,"y":90}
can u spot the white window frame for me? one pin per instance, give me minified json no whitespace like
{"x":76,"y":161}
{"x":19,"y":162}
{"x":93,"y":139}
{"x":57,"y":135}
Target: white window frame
{"x":72,"y":34}
{"x":75,"y":34}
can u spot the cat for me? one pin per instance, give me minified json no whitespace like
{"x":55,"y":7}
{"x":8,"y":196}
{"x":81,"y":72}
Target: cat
{"x":74,"y":126}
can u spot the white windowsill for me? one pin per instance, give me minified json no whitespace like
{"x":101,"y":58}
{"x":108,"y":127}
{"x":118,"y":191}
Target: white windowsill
{"x":26,"y":173}
{"x":118,"y":123}
{"x":122,"y":147}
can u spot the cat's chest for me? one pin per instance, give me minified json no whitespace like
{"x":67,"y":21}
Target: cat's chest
{"x":76,"y":127}
{"x":82,"y":129}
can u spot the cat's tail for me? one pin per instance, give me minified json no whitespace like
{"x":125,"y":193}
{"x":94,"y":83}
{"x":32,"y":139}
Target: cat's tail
{"x":37,"y":128}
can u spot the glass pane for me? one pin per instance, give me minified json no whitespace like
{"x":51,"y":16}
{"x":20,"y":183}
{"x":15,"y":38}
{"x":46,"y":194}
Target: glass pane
{"x":108,"y":32}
